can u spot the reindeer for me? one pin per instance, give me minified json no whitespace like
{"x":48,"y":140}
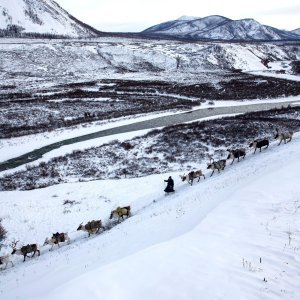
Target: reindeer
{"x":56,"y":239}
{"x":216,"y":165}
{"x":5,"y":260}
{"x":120,"y":212}
{"x":284,"y":136}
{"x":24,"y":250}
{"x":91,"y":227}
{"x":259,"y":144}
{"x":237,"y":153}
{"x":191,"y":176}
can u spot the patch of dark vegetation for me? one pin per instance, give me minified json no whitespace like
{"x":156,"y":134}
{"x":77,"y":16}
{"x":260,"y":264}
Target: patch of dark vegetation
{"x":242,"y":86}
{"x":173,"y":148}
{"x":3,"y":232}
{"x":33,"y":16}
{"x":11,"y":31}
{"x":75,"y":103}
{"x":79,"y":84}
{"x":296,"y":67}
{"x":7,"y":87}
{"x":16,"y":31}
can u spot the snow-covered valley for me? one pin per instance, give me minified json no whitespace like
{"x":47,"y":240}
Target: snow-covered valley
{"x":52,"y":84}
{"x":235,"y":235}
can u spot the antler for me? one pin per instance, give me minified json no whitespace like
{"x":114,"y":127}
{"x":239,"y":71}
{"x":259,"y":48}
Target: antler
{"x":14,"y":244}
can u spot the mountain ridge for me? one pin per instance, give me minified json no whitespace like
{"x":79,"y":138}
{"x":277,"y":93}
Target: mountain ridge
{"x":217,"y":27}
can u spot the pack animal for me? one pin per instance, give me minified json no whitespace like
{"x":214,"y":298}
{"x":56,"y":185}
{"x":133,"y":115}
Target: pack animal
{"x":236,"y":153}
{"x":191,"y":176}
{"x":217,"y":165}
{"x":24,"y":250}
{"x":91,"y":227}
{"x":5,"y":260}
{"x":283,"y":136}
{"x":56,"y":239}
{"x":259,"y":144}
{"x":120,"y":212}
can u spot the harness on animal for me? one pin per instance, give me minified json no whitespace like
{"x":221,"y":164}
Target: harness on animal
{"x":92,"y":225}
{"x":27,"y":249}
{"x":58,"y":237}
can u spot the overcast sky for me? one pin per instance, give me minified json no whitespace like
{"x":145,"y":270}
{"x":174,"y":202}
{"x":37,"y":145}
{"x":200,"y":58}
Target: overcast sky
{"x":137,"y":15}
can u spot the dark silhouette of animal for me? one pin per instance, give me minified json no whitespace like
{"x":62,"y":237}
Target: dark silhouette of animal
{"x":24,"y":250}
{"x":56,"y":239}
{"x":259,"y":144}
{"x":236,"y":153}
{"x":283,"y":136}
{"x":91,"y":227}
{"x":217,"y":165}
{"x":5,"y":260}
{"x":120,"y":212}
{"x":191,"y":176}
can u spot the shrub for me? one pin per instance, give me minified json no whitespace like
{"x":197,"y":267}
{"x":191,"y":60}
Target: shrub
{"x":3,"y":232}
{"x":127,"y":146}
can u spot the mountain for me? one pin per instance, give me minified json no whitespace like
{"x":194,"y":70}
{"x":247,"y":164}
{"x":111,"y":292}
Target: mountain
{"x":185,"y":26}
{"x":296,"y":31}
{"x":40,"y":17}
{"x":219,"y":28}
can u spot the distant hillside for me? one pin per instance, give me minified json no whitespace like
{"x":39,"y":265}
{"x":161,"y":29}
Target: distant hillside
{"x":219,"y":28}
{"x":296,"y":31}
{"x":40,"y":17}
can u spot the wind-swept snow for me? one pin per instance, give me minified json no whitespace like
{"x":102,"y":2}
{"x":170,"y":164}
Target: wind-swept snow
{"x":233,"y":236}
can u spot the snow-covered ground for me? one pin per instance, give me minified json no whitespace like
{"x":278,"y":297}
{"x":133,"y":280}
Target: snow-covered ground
{"x":108,"y":57}
{"x":13,"y":147}
{"x":235,"y":235}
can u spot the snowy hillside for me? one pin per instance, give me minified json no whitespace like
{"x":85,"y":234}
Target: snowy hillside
{"x":114,"y":56}
{"x":221,"y":28}
{"x":234,"y":235}
{"x":297,"y":31}
{"x":42,"y":17}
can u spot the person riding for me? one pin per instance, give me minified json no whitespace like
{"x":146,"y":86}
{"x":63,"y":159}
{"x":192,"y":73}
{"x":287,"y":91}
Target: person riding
{"x":170,"y":185}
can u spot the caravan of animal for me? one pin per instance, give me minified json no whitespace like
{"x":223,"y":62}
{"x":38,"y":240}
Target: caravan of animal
{"x":217,"y":165}
{"x":24,"y":250}
{"x":237,"y":153}
{"x":191,"y":176}
{"x":5,"y":260}
{"x":91,"y":227}
{"x":56,"y":239}
{"x":120,"y":212}
{"x":259,"y":144}
{"x":283,"y":136}
{"x":94,"y":226}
